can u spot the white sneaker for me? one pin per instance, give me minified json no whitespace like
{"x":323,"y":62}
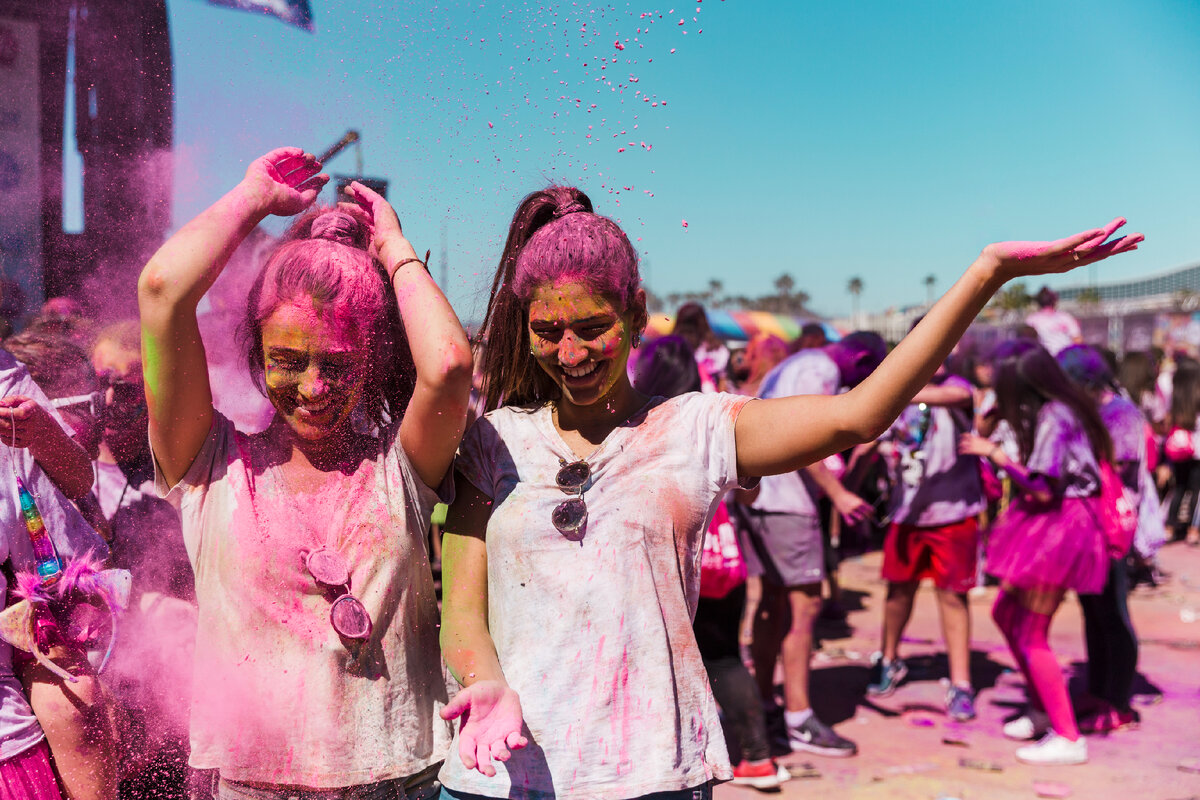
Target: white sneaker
{"x":1025,"y":728}
{"x":1055,"y":750}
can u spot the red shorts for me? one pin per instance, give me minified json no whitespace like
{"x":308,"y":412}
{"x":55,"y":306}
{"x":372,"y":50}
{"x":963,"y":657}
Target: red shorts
{"x":945,"y":553}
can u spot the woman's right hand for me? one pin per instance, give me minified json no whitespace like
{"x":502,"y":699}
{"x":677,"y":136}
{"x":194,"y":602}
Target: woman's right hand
{"x":284,"y":182}
{"x":491,"y":724}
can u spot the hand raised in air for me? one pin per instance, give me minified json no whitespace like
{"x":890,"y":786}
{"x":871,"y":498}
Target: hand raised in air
{"x":285,"y":181}
{"x":1018,"y":259}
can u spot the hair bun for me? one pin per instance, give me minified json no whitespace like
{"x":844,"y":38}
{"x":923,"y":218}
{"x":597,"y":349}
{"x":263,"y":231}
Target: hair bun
{"x":570,"y":208}
{"x":340,"y":227}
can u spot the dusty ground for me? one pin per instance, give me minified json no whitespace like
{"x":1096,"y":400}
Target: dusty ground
{"x":909,"y":749}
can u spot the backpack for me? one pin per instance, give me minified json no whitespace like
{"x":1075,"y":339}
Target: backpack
{"x":722,"y":568}
{"x":1119,"y":518}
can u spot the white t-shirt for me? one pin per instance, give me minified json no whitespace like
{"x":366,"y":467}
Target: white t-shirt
{"x":806,"y":372}
{"x":1056,"y":330}
{"x":71,"y":535}
{"x":277,"y":697}
{"x":596,"y":635}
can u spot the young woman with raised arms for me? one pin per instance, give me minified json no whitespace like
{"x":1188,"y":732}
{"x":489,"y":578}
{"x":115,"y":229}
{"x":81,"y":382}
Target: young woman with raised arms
{"x":572,"y":553}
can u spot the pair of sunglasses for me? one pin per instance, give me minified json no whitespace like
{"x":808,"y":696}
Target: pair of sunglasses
{"x":570,"y":516}
{"x":348,"y":615}
{"x":94,"y":401}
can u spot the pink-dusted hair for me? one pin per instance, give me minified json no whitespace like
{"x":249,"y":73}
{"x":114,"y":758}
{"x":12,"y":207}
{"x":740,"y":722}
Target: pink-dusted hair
{"x":323,"y":256}
{"x":555,"y":235}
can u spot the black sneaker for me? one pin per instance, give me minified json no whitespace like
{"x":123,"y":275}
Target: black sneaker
{"x":815,"y":736}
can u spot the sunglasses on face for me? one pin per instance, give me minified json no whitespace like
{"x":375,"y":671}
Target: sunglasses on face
{"x":347,"y":615}
{"x":570,"y":516}
{"x":93,"y":401}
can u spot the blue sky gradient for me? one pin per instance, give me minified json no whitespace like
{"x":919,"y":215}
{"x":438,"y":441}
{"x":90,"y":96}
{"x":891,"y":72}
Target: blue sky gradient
{"x":879,"y":139}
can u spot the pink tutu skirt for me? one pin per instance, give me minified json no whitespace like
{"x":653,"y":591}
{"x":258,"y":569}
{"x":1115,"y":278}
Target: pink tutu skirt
{"x":1039,"y":547}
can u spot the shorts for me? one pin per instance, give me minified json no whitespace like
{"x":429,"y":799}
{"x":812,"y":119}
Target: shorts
{"x":423,"y":785}
{"x":703,"y":792}
{"x":945,"y":553}
{"x":784,"y":549}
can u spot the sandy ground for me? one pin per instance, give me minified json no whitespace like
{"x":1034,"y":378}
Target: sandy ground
{"x":908,"y":748}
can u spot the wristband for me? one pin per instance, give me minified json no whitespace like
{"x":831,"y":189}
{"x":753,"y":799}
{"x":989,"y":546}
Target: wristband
{"x":406,"y":261}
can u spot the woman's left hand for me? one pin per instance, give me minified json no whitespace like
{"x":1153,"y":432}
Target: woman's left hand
{"x":1017,"y":259}
{"x":491,"y":724}
{"x":22,"y":421}
{"x":388,"y":243}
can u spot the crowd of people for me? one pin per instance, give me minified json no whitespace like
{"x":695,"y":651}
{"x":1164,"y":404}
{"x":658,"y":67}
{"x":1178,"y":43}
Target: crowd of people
{"x":639,"y":532}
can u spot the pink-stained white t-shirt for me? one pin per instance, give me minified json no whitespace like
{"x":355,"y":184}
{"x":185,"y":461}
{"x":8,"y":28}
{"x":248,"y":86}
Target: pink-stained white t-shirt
{"x":278,"y":697}
{"x":1056,"y":330}
{"x":596,"y":635}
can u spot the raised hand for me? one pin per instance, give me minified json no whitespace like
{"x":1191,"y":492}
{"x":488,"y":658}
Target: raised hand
{"x":1016,"y":259}
{"x":491,"y":724}
{"x":285,"y":181}
{"x":388,"y":243}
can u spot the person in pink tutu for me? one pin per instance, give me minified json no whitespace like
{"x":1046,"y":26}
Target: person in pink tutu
{"x":1050,"y":538}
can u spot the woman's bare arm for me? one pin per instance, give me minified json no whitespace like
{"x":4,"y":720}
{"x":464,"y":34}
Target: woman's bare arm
{"x":782,"y":434}
{"x":283,"y":182}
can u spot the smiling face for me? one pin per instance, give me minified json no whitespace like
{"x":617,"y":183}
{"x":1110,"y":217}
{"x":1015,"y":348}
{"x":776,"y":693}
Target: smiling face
{"x":315,"y":366}
{"x":582,"y":340}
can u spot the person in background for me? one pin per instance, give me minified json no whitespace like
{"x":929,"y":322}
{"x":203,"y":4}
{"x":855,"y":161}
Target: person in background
{"x":74,"y":718}
{"x":1183,"y":422}
{"x":712,"y":356}
{"x":934,"y":533}
{"x":1112,"y":643}
{"x":1056,"y":329}
{"x":812,"y":335}
{"x":1050,"y":538}
{"x":667,"y":368}
{"x":763,"y":353}
{"x":1137,"y":374}
{"x":124,"y":450}
{"x":785,"y":542}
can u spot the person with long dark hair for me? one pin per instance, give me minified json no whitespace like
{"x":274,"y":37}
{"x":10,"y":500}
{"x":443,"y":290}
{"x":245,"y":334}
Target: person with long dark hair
{"x":1183,"y":424}
{"x":1112,"y":643}
{"x":571,"y":559}
{"x":1050,"y":538}
{"x":667,"y":368}
{"x":316,"y":663}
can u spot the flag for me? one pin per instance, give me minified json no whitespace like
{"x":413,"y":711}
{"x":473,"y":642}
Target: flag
{"x":293,"y":12}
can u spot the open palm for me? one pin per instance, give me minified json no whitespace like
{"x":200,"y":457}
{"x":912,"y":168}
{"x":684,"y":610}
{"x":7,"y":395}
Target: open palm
{"x":491,"y":724}
{"x":1017,"y":259}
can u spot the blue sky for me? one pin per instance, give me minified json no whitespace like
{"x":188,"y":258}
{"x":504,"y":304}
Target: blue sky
{"x":880,"y":139}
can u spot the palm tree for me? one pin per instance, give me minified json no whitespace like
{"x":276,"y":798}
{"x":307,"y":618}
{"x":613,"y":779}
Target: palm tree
{"x":1014,"y":297}
{"x":854,"y":286}
{"x":930,"y":282}
{"x":715,"y":290}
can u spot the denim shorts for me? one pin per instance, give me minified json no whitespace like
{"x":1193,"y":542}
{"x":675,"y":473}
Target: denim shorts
{"x":703,"y":792}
